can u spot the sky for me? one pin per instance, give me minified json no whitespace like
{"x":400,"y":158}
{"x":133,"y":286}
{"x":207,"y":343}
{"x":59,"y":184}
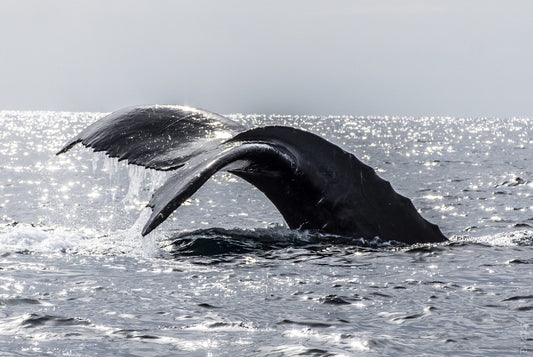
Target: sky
{"x":354,"y":57}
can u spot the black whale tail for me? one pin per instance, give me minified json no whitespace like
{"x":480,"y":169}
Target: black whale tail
{"x":312,"y":182}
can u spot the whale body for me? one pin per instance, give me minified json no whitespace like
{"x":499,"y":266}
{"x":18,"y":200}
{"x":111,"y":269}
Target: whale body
{"x":313,"y":183}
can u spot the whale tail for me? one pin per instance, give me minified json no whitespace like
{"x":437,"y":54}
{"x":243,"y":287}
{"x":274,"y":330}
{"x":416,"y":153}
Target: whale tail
{"x":312,"y":182}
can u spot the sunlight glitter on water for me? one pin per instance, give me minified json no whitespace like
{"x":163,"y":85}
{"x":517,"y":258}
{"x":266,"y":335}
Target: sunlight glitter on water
{"x":77,"y":274}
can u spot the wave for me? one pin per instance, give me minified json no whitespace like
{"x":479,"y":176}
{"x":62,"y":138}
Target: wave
{"x":27,"y":239}
{"x":220,"y":241}
{"x":23,"y":238}
{"x":512,"y":238}
{"x":216,"y":241}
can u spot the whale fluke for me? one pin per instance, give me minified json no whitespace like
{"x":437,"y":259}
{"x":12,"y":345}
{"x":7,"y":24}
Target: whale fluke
{"x":160,"y":137}
{"x":313,"y":183}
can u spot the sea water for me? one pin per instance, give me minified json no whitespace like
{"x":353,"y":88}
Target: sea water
{"x":224,"y":276}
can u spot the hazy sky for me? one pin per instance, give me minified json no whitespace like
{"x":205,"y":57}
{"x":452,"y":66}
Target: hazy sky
{"x":361,"y":57}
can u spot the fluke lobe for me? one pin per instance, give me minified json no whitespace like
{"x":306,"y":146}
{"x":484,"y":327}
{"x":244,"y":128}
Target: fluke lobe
{"x":313,"y":183}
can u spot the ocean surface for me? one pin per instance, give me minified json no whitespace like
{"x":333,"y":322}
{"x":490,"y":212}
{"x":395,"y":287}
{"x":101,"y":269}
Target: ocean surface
{"x":224,"y":276}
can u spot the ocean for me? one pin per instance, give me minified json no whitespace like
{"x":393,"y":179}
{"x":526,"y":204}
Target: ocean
{"x":224,"y":276}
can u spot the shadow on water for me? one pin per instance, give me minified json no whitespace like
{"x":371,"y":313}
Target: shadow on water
{"x":221,"y":241}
